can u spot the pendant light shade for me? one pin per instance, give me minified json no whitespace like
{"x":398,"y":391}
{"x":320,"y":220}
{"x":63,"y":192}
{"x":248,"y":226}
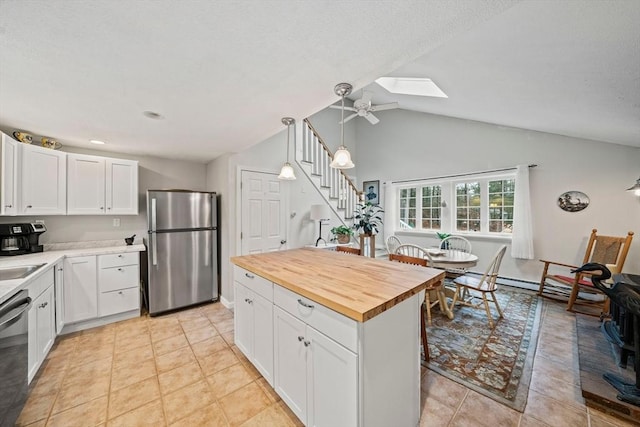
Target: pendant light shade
{"x":287,"y":172}
{"x":635,"y":188}
{"x":342,"y":157}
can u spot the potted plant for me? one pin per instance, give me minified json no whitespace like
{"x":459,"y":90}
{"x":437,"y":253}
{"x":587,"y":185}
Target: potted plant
{"x":367,"y":218}
{"x":443,"y":236}
{"x":342,"y":233}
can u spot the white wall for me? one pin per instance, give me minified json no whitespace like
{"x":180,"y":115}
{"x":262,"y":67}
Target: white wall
{"x":411,"y":145}
{"x":153,"y":173}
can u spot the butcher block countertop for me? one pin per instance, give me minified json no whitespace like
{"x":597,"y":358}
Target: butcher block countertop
{"x":355,"y":286}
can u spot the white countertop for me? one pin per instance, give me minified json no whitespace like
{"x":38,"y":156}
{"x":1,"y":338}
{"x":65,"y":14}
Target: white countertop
{"x":58,"y":252}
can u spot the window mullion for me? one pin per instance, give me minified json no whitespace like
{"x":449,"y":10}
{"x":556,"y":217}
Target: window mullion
{"x":484,"y":206}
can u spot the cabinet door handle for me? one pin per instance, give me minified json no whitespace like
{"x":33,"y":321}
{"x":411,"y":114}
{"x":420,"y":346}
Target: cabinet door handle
{"x":250,"y":276}
{"x":29,"y":206}
{"x":307,"y":343}
{"x":109,"y":208}
{"x":8,"y":206}
{"x":60,"y":269}
{"x":300,"y":338}
{"x":120,"y":269}
{"x":120,"y":256}
{"x":101,"y":208}
{"x":120,"y":292}
{"x":304,"y":304}
{"x":44,"y":304}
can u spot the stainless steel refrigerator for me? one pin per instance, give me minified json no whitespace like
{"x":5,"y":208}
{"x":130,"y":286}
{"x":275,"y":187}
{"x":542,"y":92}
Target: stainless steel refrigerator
{"x":182,"y":249}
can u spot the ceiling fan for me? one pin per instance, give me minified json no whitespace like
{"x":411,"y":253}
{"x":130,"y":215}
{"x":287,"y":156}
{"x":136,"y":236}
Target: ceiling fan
{"x":362,"y":107}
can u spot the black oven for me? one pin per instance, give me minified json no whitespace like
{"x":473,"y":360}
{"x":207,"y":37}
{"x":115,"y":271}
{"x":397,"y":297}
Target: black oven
{"x":13,"y":357}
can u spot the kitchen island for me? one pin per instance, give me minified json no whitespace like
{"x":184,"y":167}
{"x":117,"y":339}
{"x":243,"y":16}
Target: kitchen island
{"x":336,"y":335}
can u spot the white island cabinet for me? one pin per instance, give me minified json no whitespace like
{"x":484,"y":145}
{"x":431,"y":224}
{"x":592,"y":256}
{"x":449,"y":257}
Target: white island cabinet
{"x":346,"y":345}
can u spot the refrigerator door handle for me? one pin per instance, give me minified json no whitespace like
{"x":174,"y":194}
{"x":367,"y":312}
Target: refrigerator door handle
{"x":153,"y":214}
{"x":154,"y":248}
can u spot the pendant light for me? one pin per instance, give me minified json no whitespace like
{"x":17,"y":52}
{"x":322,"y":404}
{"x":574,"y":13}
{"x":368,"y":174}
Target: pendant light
{"x":635,"y":188}
{"x":287,"y":171}
{"x":342,"y":157}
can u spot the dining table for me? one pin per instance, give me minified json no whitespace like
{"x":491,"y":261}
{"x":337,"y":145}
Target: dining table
{"x":451,"y":261}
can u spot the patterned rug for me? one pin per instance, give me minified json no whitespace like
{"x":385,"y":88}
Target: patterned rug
{"x":496,"y":363}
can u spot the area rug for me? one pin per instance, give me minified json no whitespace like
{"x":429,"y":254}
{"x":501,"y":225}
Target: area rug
{"x":496,"y":363}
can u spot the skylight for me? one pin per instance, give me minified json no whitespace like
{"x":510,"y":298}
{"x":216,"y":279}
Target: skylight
{"x":411,"y":86}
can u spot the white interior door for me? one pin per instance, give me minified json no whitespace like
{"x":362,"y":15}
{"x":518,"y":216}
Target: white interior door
{"x":263,"y":226}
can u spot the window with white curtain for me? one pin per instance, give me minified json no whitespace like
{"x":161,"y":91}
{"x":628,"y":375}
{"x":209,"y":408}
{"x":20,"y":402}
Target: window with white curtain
{"x":475,"y":205}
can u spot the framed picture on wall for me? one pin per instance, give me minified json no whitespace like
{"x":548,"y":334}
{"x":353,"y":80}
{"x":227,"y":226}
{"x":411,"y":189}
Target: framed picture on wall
{"x":371,"y":191}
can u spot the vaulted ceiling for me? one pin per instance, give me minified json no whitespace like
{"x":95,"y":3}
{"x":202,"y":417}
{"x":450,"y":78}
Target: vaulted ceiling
{"x":221,"y":74}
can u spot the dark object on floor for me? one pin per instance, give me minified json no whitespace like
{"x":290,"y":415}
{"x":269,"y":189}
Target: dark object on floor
{"x":129,"y":240}
{"x":626,"y":293}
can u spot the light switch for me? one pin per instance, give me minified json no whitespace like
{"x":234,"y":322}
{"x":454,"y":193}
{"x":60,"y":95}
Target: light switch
{"x":116,"y":222}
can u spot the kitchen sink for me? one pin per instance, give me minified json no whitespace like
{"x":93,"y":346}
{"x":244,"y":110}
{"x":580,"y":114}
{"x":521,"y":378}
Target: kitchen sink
{"x":9,"y":273}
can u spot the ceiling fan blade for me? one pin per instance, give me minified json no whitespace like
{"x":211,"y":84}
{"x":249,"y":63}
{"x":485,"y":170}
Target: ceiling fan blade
{"x":337,"y":107}
{"x":349,"y":118}
{"x":372,"y":119}
{"x":381,"y":107}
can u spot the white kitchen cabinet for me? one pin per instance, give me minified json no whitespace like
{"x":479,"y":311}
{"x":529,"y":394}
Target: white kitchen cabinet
{"x":118,"y":283}
{"x":58,"y":280}
{"x":100,"y":185}
{"x":80,"y":289}
{"x":254,"y":329}
{"x":43,"y":181}
{"x":314,"y":375}
{"x":42,"y":332}
{"x":8,"y":181}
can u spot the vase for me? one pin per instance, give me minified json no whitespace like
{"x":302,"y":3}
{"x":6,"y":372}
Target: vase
{"x":343,"y":238}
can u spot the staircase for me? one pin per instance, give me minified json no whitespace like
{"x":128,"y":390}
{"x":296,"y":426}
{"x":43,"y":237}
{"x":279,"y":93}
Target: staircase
{"x":334,"y":185}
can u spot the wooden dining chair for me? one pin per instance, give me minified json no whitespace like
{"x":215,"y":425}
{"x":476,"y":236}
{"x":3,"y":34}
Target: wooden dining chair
{"x":485,"y":285}
{"x":565,"y":286}
{"x":432,"y":296}
{"x":459,"y":244}
{"x":406,"y":259}
{"x":349,"y":250}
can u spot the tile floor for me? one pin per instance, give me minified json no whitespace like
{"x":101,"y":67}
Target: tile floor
{"x":184,"y":370}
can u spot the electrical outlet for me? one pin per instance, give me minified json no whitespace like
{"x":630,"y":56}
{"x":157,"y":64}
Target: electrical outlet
{"x":116,"y":222}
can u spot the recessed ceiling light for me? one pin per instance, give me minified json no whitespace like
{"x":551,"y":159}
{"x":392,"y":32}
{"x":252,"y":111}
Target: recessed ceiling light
{"x":95,"y":141}
{"x":152,"y":115}
{"x":411,"y":86}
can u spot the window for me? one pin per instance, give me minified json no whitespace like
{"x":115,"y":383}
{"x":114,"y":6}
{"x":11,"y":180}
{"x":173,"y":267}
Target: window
{"x":481,"y":205}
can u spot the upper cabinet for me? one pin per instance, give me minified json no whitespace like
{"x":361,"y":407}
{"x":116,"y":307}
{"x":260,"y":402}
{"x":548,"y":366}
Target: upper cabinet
{"x":43,"y":181}
{"x":99,"y":185}
{"x":8,"y":181}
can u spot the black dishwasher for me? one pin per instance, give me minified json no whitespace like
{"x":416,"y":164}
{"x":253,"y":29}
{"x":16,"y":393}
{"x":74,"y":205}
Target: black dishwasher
{"x":13,"y":357}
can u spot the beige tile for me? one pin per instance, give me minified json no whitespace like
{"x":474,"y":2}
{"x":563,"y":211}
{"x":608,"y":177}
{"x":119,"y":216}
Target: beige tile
{"x":37,"y":408}
{"x":129,"y":342}
{"x":133,"y":396}
{"x":559,"y":390}
{"x":244,"y":403}
{"x":169,"y":361}
{"x":129,"y":375}
{"x":132,"y":358}
{"x":78,"y":393}
{"x":92,"y":413}
{"x":170,"y":344}
{"x":182,"y":376}
{"x":191,"y":314}
{"x":268,"y":390}
{"x":187,"y":400}
{"x":446,"y":391}
{"x":63,"y":349}
{"x":529,"y":421}
{"x":209,"y":346}
{"x":289,"y":414}
{"x":164,"y":332}
{"x":435,"y":413}
{"x":150,"y":414}
{"x":88,"y":372}
{"x":493,"y":413}
{"x":229,"y":338}
{"x":224,"y":325}
{"x":41,"y":423}
{"x":89,"y":354}
{"x":218,"y":361}
{"x":550,"y":368}
{"x":198,"y":335}
{"x":209,"y":416}
{"x":253,"y":372}
{"x":227,"y":380}
{"x":554,"y":412}
{"x":45,"y":385}
{"x":195,"y":323}
{"x":270,"y":417}
{"x":219,"y":316}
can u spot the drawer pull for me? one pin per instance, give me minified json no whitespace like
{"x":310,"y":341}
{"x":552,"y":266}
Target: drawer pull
{"x":44,"y":304}
{"x":120,"y":292}
{"x":307,"y":343}
{"x":120,"y":269}
{"x":250,"y":276}
{"x":8,"y":206}
{"x":304,"y":304}
{"x":300,"y":338}
{"x":120,"y":256}
{"x":248,"y":301}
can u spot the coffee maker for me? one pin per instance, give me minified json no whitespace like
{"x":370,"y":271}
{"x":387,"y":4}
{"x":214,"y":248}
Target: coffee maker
{"x":20,"y":239}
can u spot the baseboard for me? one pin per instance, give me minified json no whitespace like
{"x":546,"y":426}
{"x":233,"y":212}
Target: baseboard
{"x":100,"y":321}
{"x":509,"y":281}
{"x":228,"y":304}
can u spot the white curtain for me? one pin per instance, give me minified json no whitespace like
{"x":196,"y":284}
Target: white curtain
{"x":522,"y":239}
{"x":390,"y":210}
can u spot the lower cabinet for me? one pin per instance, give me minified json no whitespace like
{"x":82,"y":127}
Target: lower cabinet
{"x":80,"y":289}
{"x":314,"y":375}
{"x":42,"y":329}
{"x":58,"y":280}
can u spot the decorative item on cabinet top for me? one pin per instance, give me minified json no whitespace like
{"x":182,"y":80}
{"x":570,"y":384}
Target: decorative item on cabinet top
{"x":50,"y":143}
{"x":23,"y":136}
{"x":45,"y":141}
